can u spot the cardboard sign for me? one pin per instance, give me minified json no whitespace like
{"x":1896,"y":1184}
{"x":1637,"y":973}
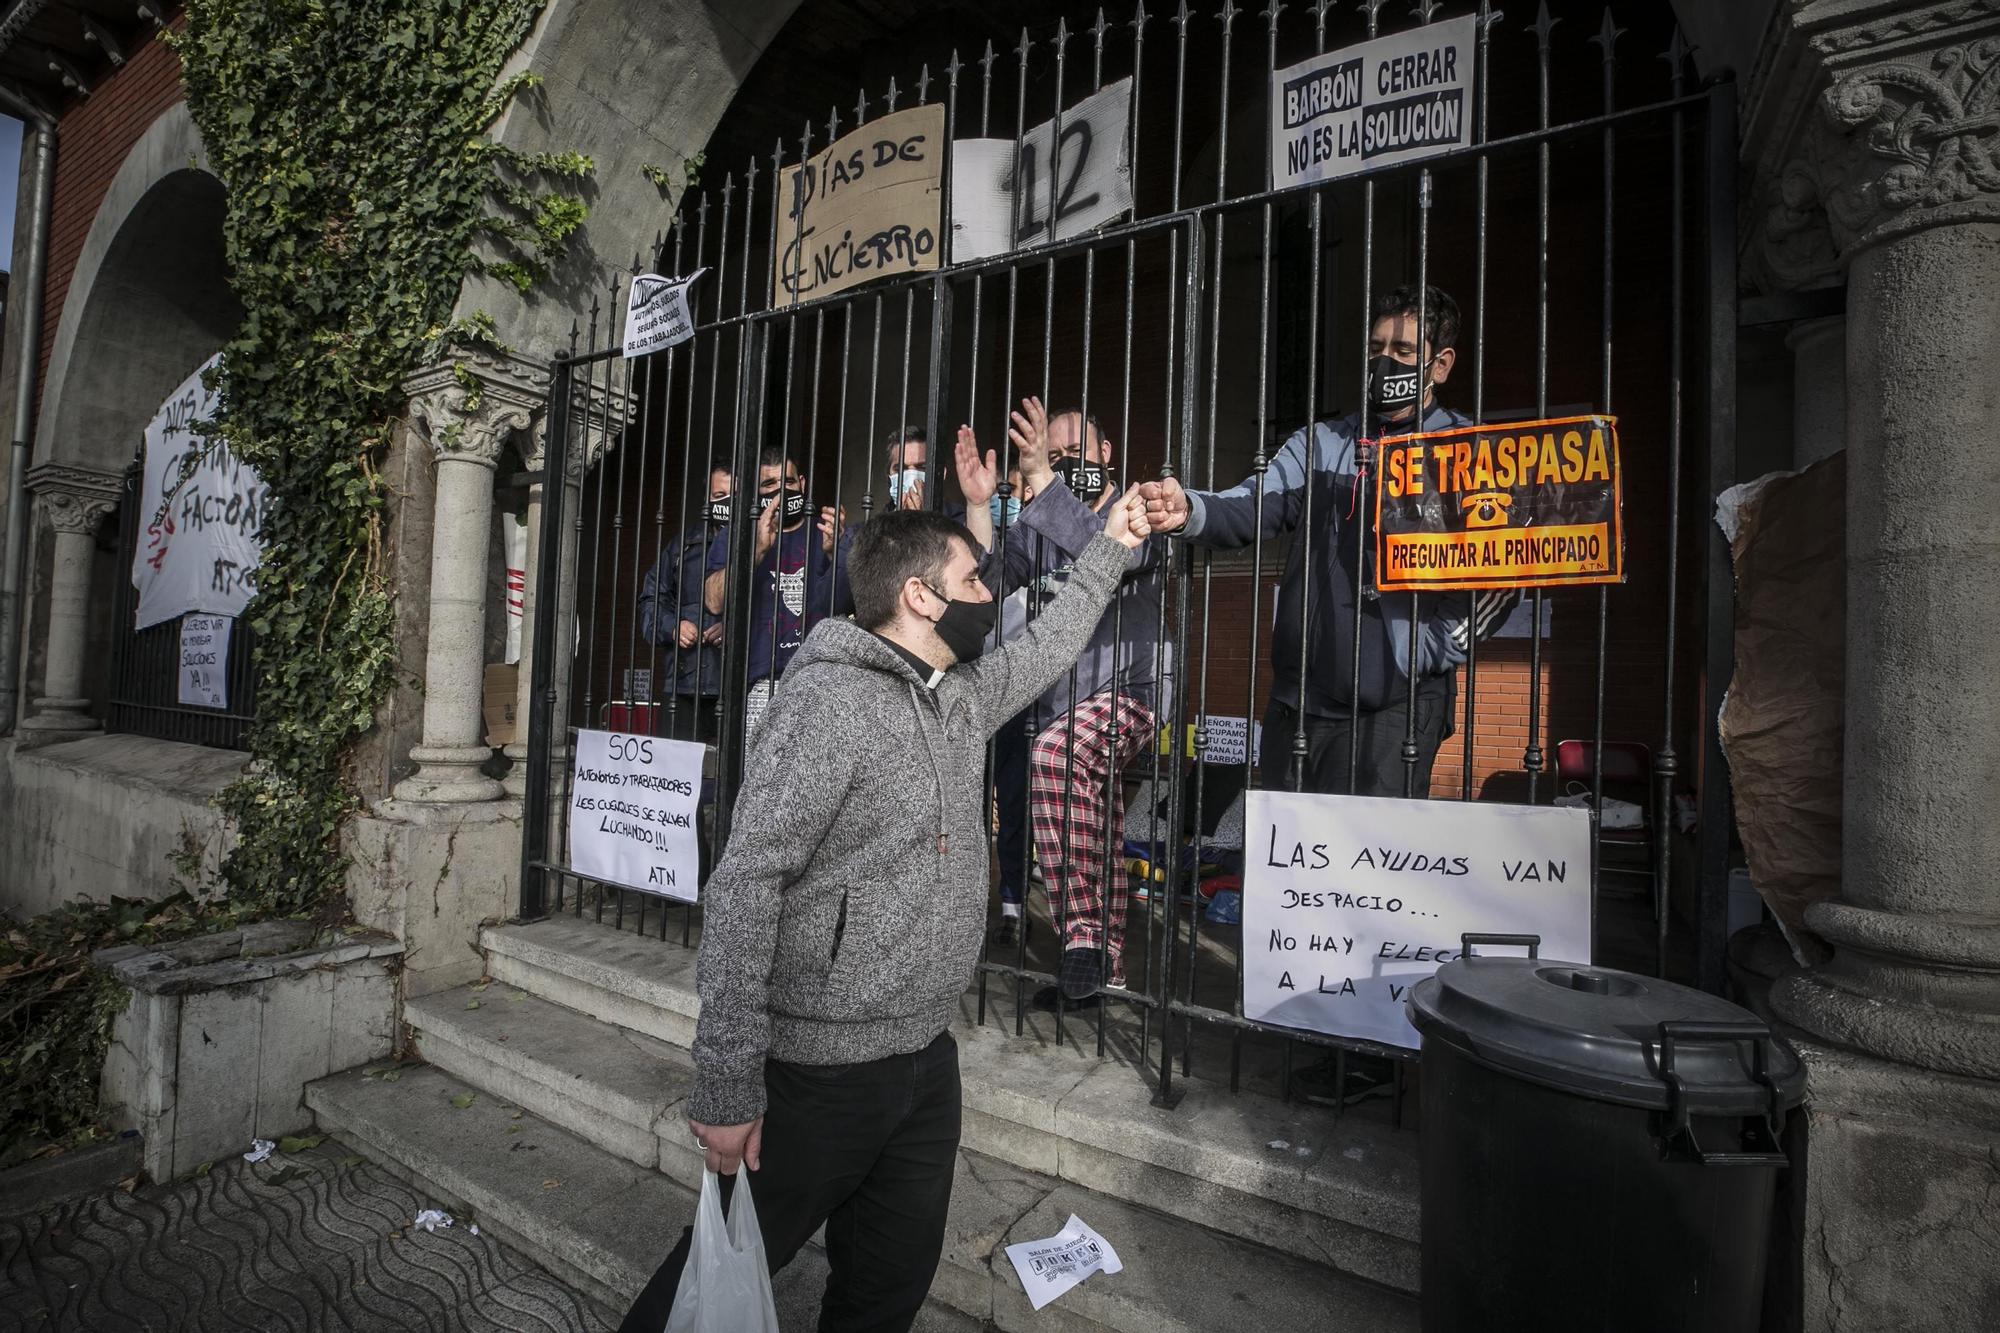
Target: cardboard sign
{"x":1349,"y":901}
{"x":1396,"y":98}
{"x":1002,"y":199}
{"x":204,"y":661}
{"x":1534,"y":504}
{"x":867,"y":206}
{"x":632,"y":812}
{"x":657,"y":314}
{"x":200,"y":514}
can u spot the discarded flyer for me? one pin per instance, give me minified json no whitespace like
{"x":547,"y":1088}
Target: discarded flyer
{"x":432,"y":1219}
{"x":259,"y":1150}
{"x":1048,"y":1268}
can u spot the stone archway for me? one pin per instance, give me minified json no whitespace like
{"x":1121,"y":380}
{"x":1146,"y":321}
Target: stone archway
{"x":148,"y":301}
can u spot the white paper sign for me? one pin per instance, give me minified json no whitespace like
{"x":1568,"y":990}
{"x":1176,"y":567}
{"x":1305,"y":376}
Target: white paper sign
{"x":198,"y":539}
{"x":1048,"y":1268}
{"x":1400,"y":97}
{"x":632,"y":812}
{"x":1349,"y":901}
{"x":204,"y":664}
{"x":1093,"y":183}
{"x":657,"y":314}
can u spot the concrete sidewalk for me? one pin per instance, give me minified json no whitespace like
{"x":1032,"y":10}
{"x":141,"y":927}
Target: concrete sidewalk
{"x":311,"y":1240}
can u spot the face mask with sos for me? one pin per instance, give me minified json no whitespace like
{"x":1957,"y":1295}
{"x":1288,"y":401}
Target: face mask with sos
{"x":1085,"y":480}
{"x":795,"y":505}
{"x":1393,"y":385}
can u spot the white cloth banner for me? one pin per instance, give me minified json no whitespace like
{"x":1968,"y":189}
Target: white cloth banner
{"x":1349,"y":901}
{"x":1048,"y":1268}
{"x":1093,"y":183}
{"x":205,"y":661}
{"x":198,"y":540}
{"x":657,"y":314}
{"x":1404,"y":96}
{"x":632,"y":811}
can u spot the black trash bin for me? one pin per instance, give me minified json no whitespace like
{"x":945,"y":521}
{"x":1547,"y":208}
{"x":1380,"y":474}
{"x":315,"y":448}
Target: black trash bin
{"x":1599,"y":1149}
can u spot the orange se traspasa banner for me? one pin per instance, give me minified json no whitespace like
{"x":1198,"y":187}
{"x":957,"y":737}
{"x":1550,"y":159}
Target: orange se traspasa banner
{"x":1530,"y":504}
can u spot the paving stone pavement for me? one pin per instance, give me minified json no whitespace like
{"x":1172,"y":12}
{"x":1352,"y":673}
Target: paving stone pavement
{"x":316,"y":1240}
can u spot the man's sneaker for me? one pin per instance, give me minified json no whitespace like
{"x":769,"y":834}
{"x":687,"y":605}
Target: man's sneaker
{"x":1007,"y":935}
{"x":1082,"y":973}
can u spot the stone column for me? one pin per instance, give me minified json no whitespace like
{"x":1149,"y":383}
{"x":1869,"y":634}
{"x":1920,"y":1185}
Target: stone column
{"x":76,"y":501}
{"x":1895,"y":177}
{"x":516,"y":780}
{"x":466,"y":409}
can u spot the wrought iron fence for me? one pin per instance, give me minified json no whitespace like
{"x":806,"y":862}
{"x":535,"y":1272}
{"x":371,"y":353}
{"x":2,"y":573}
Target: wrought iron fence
{"x":1204,"y":328}
{"x":144,"y":698}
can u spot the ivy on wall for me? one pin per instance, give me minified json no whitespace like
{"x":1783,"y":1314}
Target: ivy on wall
{"x":362,"y":190}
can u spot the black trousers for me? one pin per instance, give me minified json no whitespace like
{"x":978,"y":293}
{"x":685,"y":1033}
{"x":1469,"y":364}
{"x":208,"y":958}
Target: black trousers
{"x":868,"y":1149}
{"x":1380,"y":771}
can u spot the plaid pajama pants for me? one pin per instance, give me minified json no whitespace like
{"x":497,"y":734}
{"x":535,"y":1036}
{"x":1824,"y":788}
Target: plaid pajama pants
{"x":1072,"y":818}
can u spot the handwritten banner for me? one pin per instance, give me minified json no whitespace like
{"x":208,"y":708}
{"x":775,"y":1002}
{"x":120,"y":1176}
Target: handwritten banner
{"x":866,"y":207}
{"x":632,"y":812}
{"x":204,"y":667}
{"x":657,"y":314}
{"x":1002,"y":199}
{"x":201,"y":510}
{"x":1390,"y":100}
{"x":1536,"y":504}
{"x":1348,"y":901}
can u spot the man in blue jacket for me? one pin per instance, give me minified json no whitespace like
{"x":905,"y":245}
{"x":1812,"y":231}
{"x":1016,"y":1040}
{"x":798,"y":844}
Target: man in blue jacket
{"x":673,"y":619}
{"x":1315,"y":689}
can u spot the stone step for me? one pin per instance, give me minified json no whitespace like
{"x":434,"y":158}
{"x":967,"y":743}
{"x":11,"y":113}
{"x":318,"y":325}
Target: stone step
{"x":620,"y":1089}
{"x":645,"y":985}
{"x":1342,"y":1192}
{"x":602,"y":1223}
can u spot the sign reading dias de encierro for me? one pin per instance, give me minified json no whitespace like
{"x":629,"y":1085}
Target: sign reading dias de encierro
{"x":1532,"y":504}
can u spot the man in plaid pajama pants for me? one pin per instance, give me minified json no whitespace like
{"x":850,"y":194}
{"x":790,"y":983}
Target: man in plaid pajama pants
{"x":1095,"y":719}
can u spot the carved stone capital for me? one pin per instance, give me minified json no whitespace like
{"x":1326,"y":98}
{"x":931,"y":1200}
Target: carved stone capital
{"x":469,"y":405}
{"x":76,"y":499}
{"x":1866,"y":120}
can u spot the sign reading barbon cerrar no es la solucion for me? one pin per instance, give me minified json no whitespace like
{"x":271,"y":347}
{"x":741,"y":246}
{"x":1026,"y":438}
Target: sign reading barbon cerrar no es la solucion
{"x":1532,"y":504}
{"x":1390,"y":100}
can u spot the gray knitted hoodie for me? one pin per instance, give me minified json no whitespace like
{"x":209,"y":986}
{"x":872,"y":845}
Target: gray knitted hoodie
{"x":845,"y":918}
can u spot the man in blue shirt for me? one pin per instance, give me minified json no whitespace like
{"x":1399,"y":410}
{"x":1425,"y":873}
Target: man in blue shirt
{"x":1315,"y":688}
{"x":794,"y":570}
{"x":674,"y":620}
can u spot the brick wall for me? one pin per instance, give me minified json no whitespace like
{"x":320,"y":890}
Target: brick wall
{"x":93,"y":137}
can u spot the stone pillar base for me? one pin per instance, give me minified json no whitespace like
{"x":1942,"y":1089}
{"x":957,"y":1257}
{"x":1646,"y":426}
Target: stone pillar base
{"x":1900,"y":1214}
{"x":515,"y":783}
{"x":56,"y":720}
{"x":448,"y":775}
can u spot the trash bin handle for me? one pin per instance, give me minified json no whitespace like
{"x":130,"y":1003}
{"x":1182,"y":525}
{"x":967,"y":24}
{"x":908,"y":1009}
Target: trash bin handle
{"x":1681,"y":1127}
{"x":1532,"y":943}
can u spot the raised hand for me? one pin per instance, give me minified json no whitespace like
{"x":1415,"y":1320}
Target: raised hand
{"x":767,"y":524}
{"x":977,"y":478}
{"x":831,"y":521}
{"x":1166,"y":504}
{"x":1126,"y":520}
{"x":1030,"y":434}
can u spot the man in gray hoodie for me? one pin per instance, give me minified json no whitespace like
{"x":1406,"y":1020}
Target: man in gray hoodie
{"x":844,"y":919}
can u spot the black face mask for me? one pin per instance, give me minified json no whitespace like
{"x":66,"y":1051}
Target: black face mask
{"x":718,"y":510}
{"x":1392,"y":385}
{"x":1083,"y":479}
{"x":795,"y":504}
{"x":966,"y":627}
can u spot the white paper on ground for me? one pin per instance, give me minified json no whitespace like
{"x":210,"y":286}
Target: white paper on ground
{"x":1048,"y":1268}
{"x":259,"y":1150}
{"x":432,"y":1219}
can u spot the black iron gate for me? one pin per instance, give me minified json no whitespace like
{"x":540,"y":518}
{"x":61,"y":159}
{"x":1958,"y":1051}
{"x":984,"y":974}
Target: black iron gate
{"x":1186,"y":329}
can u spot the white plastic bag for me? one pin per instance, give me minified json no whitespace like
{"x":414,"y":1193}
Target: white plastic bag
{"x":1617,"y":816}
{"x":726,"y":1286}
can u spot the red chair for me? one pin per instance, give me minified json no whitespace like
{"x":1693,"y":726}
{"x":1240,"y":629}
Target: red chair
{"x":1628,"y":776}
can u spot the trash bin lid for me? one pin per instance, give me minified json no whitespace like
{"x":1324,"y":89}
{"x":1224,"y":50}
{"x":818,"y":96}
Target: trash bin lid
{"x":1595,"y":1031}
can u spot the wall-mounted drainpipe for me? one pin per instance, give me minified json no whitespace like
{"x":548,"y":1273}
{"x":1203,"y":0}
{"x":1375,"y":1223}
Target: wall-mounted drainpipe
{"x":28,"y":291}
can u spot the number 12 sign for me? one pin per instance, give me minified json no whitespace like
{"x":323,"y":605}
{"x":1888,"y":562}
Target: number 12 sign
{"x":1054,"y":188}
